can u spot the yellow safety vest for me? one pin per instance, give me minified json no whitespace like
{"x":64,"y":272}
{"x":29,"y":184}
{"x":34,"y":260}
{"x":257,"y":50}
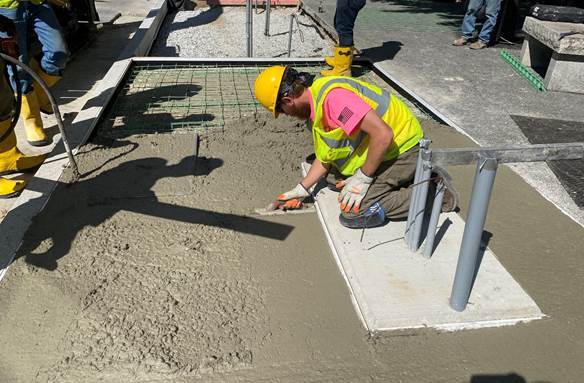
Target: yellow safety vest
{"x":348,"y":153}
{"x":14,"y":3}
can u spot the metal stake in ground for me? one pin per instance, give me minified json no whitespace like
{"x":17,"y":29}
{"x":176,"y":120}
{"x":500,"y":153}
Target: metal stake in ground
{"x":249,"y":27}
{"x":468,"y":257}
{"x":292,"y":16}
{"x":268,"y":5}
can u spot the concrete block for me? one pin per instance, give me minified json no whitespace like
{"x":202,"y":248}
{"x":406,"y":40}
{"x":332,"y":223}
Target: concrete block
{"x":562,"y":58}
{"x":549,"y":33}
{"x":565,"y":73}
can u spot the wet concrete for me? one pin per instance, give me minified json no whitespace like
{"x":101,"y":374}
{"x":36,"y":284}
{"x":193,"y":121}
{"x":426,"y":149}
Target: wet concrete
{"x":152,"y":268}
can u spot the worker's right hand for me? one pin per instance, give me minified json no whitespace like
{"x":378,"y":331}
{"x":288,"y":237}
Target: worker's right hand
{"x":294,"y":196}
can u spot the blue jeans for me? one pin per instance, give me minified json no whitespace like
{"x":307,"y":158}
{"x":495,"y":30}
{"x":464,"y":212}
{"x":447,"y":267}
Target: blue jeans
{"x":43,"y":21}
{"x":345,"y":16}
{"x":474,"y":7}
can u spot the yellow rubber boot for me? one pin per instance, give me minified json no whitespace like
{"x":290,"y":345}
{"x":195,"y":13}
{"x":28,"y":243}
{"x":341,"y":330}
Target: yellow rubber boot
{"x":330,"y":60}
{"x":10,"y":188}
{"x":31,"y":116}
{"x":44,"y":103}
{"x":343,"y":57}
{"x":11,"y":159}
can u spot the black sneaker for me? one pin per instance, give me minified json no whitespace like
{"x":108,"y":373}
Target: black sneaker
{"x":373,"y":217}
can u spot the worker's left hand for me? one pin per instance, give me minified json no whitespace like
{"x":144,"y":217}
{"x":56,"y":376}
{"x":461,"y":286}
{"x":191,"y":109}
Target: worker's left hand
{"x":353,"y":191}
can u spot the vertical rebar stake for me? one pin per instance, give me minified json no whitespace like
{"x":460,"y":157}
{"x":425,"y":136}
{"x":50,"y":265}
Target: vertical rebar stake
{"x":473,"y":231}
{"x":268,"y":6}
{"x":433,"y":224}
{"x":290,"y":33}
{"x":249,"y":27}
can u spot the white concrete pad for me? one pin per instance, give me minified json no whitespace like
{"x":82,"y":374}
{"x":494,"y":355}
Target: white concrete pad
{"x":393,"y":288}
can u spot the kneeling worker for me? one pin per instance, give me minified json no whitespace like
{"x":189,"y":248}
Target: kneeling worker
{"x":369,"y":136}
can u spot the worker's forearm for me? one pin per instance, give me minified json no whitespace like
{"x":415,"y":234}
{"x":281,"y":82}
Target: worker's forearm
{"x":316,"y":172}
{"x":380,"y":138}
{"x":375,"y":155}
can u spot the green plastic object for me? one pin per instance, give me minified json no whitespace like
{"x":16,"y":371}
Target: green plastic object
{"x":533,"y":78}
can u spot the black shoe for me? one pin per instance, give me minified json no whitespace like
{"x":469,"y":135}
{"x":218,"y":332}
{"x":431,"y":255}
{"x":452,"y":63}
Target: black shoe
{"x":373,"y":217}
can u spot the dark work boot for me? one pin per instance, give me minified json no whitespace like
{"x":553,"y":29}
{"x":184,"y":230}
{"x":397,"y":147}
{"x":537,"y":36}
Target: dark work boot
{"x":372,"y":217}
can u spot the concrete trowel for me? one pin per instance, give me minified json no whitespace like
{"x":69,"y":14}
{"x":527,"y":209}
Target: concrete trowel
{"x":279,"y":208}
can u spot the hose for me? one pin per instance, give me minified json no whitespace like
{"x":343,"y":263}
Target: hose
{"x":54,"y":105}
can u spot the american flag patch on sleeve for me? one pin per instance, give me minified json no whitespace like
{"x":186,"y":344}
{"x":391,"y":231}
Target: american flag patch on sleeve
{"x":345,"y":115}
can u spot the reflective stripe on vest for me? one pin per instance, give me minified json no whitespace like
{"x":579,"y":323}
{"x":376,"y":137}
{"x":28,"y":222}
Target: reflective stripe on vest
{"x":382,"y":100}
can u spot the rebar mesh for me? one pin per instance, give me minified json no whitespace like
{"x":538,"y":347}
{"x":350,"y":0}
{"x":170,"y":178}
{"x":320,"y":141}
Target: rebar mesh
{"x":163,"y":98}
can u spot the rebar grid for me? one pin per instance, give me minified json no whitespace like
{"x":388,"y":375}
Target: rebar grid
{"x":163,"y":98}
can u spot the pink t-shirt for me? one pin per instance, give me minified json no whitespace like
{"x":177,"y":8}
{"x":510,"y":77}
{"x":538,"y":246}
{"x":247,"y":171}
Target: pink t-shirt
{"x":342,"y":109}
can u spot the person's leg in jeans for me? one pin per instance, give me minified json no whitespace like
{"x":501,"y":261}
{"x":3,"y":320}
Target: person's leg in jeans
{"x":391,"y":188}
{"x":345,"y":16}
{"x":55,"y":52}
{"x":19,"y":18}
{"x":47,"y":28}
{"x":492,"y":11}
{"x":470,"y":17}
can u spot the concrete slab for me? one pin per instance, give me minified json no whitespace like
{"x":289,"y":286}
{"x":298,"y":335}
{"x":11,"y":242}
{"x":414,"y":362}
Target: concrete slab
{"x":395,"y":289}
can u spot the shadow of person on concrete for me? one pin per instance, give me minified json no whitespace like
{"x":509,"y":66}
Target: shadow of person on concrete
{"x":501,"y":378}
{"x":387,"y":51}
{"x":127,"y":187}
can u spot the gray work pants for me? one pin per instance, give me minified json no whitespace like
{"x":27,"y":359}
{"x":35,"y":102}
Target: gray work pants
{"x":392,"y":186}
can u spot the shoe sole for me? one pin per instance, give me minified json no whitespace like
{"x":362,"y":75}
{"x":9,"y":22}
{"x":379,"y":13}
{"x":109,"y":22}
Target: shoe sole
{"x":39,"y":143}
{"x":11,"y":195}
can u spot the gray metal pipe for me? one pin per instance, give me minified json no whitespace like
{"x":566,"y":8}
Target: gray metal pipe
{"x":424,"y":144}
{"x":433,"y":224}
{"x":268,"y":6}
{"x":421,"y":198}
{"x":473,"y":232}
{"x":55,"y":107}
{"x":410,"y":221}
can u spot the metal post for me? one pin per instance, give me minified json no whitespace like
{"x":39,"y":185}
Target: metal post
{"x":420,"y":202}
{"x":249,"y":27}
{"x":424,"y":144}
{"x":268,"y":5}
{"x":473,"y":231}
{"x":290,"y":34}
{"x":433,"y":224}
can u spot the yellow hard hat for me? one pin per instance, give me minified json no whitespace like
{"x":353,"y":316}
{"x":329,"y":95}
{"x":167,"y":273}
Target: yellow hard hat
{"x":267,"y":86}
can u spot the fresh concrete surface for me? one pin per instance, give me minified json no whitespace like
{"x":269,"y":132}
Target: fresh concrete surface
{"x":476,"y":90}
{"x":122,"y":278}
{"x":395,"y":289}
